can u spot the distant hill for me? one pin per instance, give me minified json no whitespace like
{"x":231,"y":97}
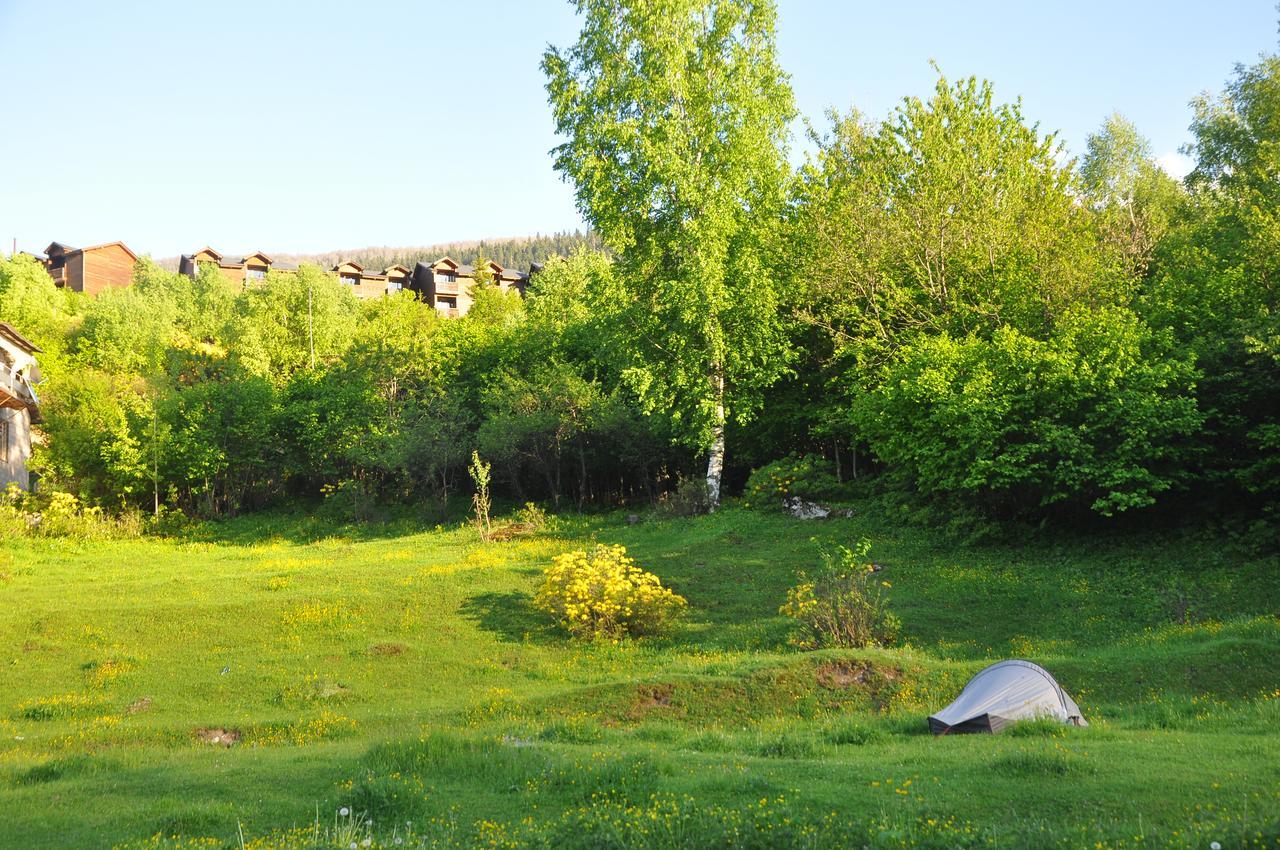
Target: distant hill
{"x":516,"y":252}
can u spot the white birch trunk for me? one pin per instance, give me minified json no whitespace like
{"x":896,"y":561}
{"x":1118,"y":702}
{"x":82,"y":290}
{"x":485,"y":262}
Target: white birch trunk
{"x":715,"y":455}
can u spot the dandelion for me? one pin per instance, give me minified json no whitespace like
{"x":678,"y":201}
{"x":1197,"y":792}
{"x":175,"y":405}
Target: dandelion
{"x":344,"y":811}
{"x":1215,"y":846}
{"x":366,"y":842}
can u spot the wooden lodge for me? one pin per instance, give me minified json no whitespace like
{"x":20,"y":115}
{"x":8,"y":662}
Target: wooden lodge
{"x":243,"y":270}
{"x":90,"y":270}
{"x":366,"y":283}
{"x":448,"y":285}
{"x":445,"y":284}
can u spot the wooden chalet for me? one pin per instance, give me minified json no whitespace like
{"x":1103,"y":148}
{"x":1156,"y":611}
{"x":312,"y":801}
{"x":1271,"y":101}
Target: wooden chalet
{"x":448,"y":285}
{"x":243,"y":270}
{"x":90,"y":270}
{"x":366,"y":283}
{"x":445,"y":284}
{"x":18,"y":405}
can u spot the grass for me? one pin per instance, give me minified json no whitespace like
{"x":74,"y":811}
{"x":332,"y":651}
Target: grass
{"x":259,"y":675}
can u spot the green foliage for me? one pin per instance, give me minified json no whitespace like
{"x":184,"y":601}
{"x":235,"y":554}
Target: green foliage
{"x":604,"y":594}
{"x":808,"y":477}
{"x":842,"y":603}
{"x":689,"y":498}
{"x":1092,"y":417}
{"x":61,"y":515}
{"x":678,"y":161}
{"x":480,"y":501}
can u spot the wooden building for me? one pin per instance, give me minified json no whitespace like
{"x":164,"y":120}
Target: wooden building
{"x":448,"y":285}
{"x":445,"y":284}
{"x":18,"y":405}
{"x":243,"y":270}
{"x":90,"y":270}
{"x":366,"y":283}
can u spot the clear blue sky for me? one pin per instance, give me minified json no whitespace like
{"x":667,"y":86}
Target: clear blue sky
{"x":310,"y":126}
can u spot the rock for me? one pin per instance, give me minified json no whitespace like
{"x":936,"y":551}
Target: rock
{"x":801,"y":509}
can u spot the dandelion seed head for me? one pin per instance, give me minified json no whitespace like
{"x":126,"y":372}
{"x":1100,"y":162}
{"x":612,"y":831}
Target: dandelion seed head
{"x":344,"y":811}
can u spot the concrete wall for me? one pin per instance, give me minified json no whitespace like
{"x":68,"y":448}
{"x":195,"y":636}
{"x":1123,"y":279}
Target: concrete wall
{"x":15,"y":448}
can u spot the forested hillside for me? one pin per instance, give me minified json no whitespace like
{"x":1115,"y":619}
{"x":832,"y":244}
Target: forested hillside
{"x":516,"y":252}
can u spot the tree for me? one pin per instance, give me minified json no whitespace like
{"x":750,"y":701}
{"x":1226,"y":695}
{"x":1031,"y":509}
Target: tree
{"x":1134,"y":197}
{"x":1216,"y":285}
{"x":674,"y":114}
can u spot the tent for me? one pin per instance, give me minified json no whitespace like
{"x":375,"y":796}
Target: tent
{"x":1004,"y":693}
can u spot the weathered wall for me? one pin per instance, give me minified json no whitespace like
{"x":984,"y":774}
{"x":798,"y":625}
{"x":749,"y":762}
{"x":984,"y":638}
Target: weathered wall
{"x":107,"y":266}
{"x":15,"y":448}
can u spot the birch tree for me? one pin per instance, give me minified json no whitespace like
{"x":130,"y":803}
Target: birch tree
{"x":675,"y":115}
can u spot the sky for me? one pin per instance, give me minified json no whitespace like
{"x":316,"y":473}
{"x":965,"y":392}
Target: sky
{"x":301,"y":127}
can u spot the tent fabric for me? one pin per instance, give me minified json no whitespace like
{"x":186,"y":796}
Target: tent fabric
{"x":1004,"y":693}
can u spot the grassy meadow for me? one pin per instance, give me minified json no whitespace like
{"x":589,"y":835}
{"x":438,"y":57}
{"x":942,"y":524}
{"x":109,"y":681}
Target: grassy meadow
{"x":240,"y":685}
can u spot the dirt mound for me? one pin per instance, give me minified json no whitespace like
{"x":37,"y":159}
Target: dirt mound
{"x":843,"y":674}
{"x":650,"y":698}
{"x":218,"y":736}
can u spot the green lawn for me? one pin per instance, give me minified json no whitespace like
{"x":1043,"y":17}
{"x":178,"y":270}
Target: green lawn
{"x":402,"y":672}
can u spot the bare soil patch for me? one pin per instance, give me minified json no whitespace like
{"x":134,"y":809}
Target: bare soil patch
{"x":218,"y":736}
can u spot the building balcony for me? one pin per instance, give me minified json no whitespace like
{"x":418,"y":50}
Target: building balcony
{"x":15,"y":392}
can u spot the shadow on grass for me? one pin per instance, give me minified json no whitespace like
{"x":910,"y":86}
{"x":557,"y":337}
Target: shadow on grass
{"x":313,"y":523}
{"x":511,"y":616}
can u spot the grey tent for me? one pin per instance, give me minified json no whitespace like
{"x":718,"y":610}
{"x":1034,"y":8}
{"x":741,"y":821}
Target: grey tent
{"x":1004,"y":693}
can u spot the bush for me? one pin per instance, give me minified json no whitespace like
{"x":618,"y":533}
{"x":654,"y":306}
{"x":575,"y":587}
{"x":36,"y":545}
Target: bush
{"x":809,"y":477}
{"x":843,"y":604}
{"x":1097,"y":417}
{"x":690,"y":498}
{"x":602,"y":593}
{"x":59,"y":514}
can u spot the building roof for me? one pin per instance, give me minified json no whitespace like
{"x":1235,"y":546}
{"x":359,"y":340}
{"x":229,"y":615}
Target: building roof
{"x":10,"y":333}
{"x":67,"y":250}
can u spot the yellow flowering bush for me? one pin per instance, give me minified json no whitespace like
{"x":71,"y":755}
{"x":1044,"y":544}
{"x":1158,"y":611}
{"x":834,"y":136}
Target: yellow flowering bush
{"x":602,"y":593}
{"x":843,"y":604}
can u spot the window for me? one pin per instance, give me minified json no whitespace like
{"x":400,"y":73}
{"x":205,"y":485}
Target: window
{"x":353,"y":279}
{"x":446,"y":302}
{"x":255,"y":274}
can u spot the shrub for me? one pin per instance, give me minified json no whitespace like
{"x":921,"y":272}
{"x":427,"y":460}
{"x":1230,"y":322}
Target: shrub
{"x":480,"y":501}
{"x":843,"y":604}
{"x":602,"y":593}
{"x":809,"y":477}
{"x":1099,"y":416}
{"x":57,"y":514}
{"x":690,"y":498}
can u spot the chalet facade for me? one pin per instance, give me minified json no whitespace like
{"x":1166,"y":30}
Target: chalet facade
{"x":366,"y":283}
{"x":18,"y":405}
{"x":445,"y":284}
{"x":244,"y":270}
{"x":448,"y":285}
{"x":90,"y":270}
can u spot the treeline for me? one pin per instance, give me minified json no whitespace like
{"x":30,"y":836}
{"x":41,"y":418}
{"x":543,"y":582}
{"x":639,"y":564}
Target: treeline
{"x":940,"y":299}
{"x":514,"y":253}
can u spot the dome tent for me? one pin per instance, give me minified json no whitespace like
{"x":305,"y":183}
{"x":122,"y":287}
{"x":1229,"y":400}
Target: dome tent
{"x":1004,"y":693}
